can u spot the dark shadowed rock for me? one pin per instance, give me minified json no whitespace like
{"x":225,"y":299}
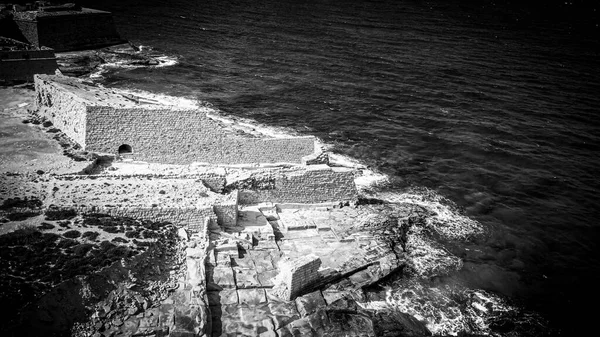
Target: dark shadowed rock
{"x":397,"y":324}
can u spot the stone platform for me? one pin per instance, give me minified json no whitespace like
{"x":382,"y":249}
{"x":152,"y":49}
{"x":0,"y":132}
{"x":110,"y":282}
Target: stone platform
{"x":245,"y":264}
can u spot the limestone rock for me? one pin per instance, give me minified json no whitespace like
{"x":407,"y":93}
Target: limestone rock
{"x":310,"y":303}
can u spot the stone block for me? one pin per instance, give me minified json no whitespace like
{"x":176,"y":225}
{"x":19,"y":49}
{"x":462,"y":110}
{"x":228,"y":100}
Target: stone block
{"x":245,"y":262}
{"x":301,"y":327}
{"x":223,"y":259}
{"x":252,"y":296}
{"x":188,"y":319}
{"x":319,"y":322}
{"x":344,"y":323}
{"x":231,"y":248}
{"x":219,"y":278}
{"x":195,"y":271}
{"x":252,"y":314}
{"x":310,"y":303}
{"x":246,"y":278}
{"x":283,"y":313}
{"x":196,"y":252}
{"x":223,"y":297}
{"x":266,"y":277}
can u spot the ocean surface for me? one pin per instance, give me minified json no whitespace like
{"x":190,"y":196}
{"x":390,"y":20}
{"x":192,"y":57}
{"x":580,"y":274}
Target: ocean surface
{"x":493,"y":106}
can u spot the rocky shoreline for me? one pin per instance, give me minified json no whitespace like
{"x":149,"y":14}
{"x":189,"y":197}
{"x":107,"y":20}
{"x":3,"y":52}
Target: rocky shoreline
{"x":267,"y":251}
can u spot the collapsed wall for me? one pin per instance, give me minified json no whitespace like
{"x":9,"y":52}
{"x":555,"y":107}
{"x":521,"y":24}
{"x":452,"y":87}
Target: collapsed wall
{"x":183,"y":202}
{"x":308,"y":184}
{"x":110,"y":121}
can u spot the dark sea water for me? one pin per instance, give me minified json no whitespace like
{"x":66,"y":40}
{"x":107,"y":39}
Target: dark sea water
{"x":493,"y":105}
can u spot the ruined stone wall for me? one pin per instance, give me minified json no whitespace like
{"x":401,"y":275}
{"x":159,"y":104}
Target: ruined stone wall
{"x":62,"y":108}
{"x":192,"y":219}
{"x":297,"y":276}
{"x":313,"y":184}
{"x":226,"y":210}
{"x":175,"y":136}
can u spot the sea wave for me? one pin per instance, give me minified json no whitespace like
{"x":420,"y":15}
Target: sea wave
{"x":452,"y":310}
{"x":153,"y":61}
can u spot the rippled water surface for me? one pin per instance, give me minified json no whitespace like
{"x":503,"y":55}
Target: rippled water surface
{"x":495,"y":108}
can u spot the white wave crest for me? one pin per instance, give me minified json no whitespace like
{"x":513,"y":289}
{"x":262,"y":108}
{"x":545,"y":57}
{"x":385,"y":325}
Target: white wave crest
{"x":427,"y":258}
{"x":446,"y":220}
{"x":165,"y":61}
{"x":448,"y":311}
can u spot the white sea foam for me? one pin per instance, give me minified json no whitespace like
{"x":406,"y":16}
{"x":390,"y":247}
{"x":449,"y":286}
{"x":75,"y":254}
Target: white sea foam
{"x":253,"y":126}
{"x":427,"y":258}
{"x":446,"y":310}
{"x":365,"y":178}
{"x":163,"y":61}
{"x":445,"y":219}
{"x":152,"y":98}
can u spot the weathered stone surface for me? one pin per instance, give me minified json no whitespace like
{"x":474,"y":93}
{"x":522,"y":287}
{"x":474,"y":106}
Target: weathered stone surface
{"x":219,"y":278}
{"x":310,"y":303}
{"x":266,"y":277}
{"x":296,"y":276}
{"x":223,"y":297}
{"x":309,"y":184}
{"x":252,"y":296}
{"x":246,"y":278}
{"x":102,"y":121}
{"x":332,"y":296}
{"x":188,"y":319}
{"x":391,"y":324}
{"x":344,"y":323}
{"x":195,"y":271}
{"x":283,"y":313}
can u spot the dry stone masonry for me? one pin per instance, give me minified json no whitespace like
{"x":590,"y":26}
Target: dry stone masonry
{"x":109,"y":121}
{"x":297,"y":276}
{"x":305,"y":184}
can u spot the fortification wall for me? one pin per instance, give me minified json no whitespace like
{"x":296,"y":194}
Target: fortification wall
{"x":312,"y":184}
{"x":189,"y":202}
{"x":62,"y":108}
{"x":174,"y":136}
